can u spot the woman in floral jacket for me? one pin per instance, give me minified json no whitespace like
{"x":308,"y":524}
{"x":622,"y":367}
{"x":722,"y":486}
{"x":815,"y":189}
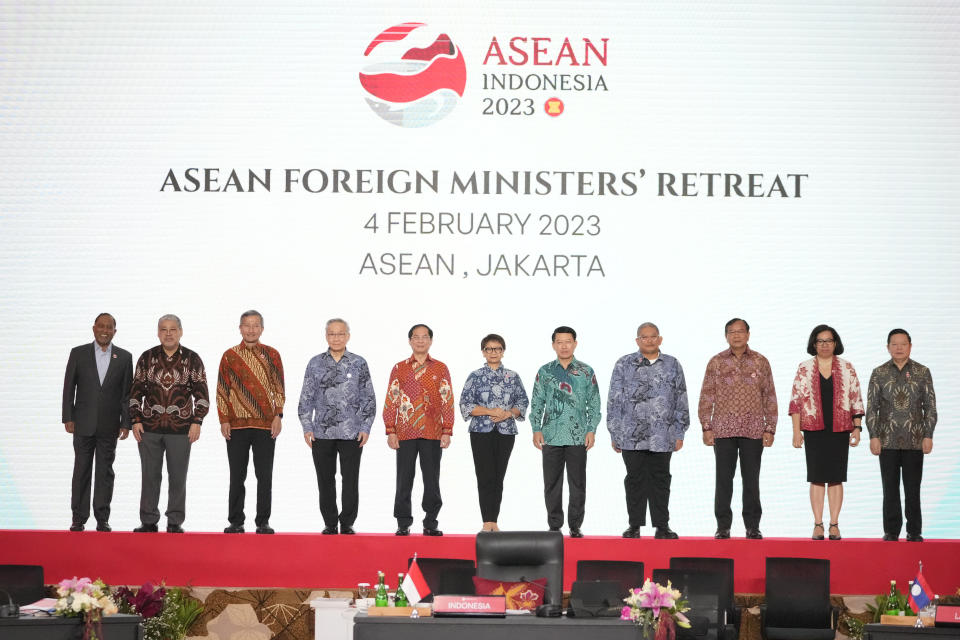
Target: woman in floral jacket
{"x":826,"y":408}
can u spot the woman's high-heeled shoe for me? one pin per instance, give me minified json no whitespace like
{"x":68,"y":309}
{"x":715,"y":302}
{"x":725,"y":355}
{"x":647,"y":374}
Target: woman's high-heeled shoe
{"x":834,"y":536}
{"x":817,"y":536}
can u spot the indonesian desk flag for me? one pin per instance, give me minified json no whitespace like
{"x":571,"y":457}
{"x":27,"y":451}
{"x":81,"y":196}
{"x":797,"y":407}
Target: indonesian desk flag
{"x":415,"y":586}
{"x":919,"y":592}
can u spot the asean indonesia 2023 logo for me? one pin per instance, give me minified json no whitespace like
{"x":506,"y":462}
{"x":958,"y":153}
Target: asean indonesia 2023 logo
{"x":413,"y":75}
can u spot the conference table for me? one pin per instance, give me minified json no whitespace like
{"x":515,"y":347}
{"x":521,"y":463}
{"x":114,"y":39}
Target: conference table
{"x":897,"y":632}
{"x":115,"y":627}
{"x":525,"y":627}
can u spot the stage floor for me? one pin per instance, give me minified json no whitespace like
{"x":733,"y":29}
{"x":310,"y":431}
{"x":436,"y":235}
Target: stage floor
{"x":310,"y":560}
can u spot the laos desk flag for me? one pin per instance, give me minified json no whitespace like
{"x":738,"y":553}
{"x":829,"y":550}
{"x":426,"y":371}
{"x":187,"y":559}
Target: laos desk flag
{"x":920,"y":591}
{"x":415,"y":586}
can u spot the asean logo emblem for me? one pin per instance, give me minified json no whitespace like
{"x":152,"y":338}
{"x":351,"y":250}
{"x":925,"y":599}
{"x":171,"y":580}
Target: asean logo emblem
{"x":413,"y":76}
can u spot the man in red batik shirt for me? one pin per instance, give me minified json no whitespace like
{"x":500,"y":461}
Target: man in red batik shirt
{"x":418,"y":414}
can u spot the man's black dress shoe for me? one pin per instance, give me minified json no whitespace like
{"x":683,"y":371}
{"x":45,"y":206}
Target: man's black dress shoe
{"x":234,"y":528}
{"x":329,"y":531}
{"x":104,"y":527}
{"x":632,"y":532}
{"x":665,"y":533}
{"x":554,"y":528}
{"x":754,"y":534}
{"x":432,"y":532}
{"x":76,"y":526}
{"x":347,"y":531}
{"x":722,"y":534}
{"x":890,"y":537}
{"x":576,"y":533}
{"x":914,"y":537}
{"x":265,"y":530}
{"x":403,"y":531}
{"x":146,"y":528}
{"x":174,"y":528}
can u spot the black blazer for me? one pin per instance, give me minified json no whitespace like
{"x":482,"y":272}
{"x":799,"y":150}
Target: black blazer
{"x":94,"y":408}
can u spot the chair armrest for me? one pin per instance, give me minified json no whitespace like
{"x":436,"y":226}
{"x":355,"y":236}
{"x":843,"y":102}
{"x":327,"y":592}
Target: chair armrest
{"x":835,"y":613}
{"x":736,"y":613}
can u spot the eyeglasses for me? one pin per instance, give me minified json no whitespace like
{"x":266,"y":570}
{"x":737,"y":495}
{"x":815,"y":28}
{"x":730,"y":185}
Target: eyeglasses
{"x":336,"y":335}
{"x":648,"y":338}
{"x":493,"y":349}
{"x":827,"y":341}
{"x":736,"y":332}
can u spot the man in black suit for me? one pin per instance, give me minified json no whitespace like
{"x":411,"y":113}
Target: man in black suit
{"x":96,"y":392}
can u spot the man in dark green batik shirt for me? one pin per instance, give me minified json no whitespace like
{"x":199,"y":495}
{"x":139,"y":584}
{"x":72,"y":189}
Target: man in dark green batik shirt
{"x":901,"y":416}
{"x":564,"y":414}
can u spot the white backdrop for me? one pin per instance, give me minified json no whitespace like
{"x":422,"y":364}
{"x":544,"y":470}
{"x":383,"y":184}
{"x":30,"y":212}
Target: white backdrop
{"x":99,"y":101}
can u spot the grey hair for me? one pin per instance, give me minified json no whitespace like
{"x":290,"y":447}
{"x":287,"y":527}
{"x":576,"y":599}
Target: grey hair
{"x":646,"y":325}
{"x":170,"y":316}
{"x":250,"y":313}
{"x":340,"y":320}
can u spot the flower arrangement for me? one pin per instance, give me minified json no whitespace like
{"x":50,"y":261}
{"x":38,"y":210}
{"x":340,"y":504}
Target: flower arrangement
{"x":147,"y":601}
{"x":87,"y":599}
{"x":167,"y":612}
{"x":656,"y":607}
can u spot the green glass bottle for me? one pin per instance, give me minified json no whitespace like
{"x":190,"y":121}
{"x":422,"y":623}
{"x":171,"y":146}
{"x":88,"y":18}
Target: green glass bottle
{"x":381,"y":596}
{"x":892,"y":598}
{"x":400,"y":599}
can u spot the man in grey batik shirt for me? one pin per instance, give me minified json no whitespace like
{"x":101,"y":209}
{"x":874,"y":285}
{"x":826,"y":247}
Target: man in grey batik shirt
{"x":647,"y":416}
{"x":901,"y":416}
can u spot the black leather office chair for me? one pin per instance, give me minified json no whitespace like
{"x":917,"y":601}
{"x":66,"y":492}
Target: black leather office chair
{"x":722,"y":566}
{"x":523,"y":555}
{"x":446,"y":575}
{"x":24,"y":583}
{"x":628,"y":574}
{"x":702,"y":590}
{"x":798,"y":600}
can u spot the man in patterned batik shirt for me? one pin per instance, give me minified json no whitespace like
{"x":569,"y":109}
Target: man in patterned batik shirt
{"x":250,"y":399}
{"x":337,"y":407}
{"x":901,"y":416}
{"x":564,"y":414}
{"x":418,"y":416}
{"x":168,"y":401}
{"x":647,"y":416}
{"x":738,"y":412}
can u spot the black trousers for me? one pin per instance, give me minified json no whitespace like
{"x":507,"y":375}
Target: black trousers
{"x":86,"y":450}
{"x":909,"y":464}
{"x":647,"y":482}
{"x":325,"y":454}
{"x":574,"y":459}
{"x":727,"y":450}
{"x":491,"y":453}
{"x":238,"y":453}
{"x":429,"y":452}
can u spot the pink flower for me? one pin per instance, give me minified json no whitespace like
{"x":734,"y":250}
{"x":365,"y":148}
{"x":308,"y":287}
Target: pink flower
{"x":655,"y":597}
{"x":76,"y":584}
{"x":627,"y":613}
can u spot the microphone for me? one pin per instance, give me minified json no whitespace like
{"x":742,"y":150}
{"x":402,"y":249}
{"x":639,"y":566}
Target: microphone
{"x":9,"y":610}
{"x":547,"y":610}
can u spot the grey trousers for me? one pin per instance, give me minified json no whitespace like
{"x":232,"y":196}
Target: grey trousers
{"x":152,"y":447}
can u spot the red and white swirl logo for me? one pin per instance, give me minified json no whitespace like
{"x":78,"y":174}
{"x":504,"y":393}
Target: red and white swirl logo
{"x":414,"y":75}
